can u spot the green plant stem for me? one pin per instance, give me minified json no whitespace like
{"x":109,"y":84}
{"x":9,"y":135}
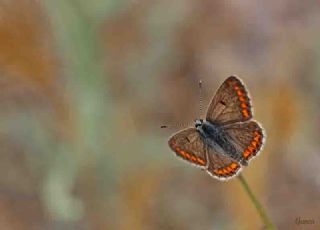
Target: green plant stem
{"x":264,"y":217}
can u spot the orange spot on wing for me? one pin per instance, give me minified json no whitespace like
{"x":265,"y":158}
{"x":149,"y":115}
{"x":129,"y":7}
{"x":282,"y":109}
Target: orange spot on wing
{"x":243,"y":105}
{"x":246,"y":153}
{"x":245,"y":113}
{"x":242,"y":99}
{"x":200,"y":161}
{"x":182,"y":153}
{"x":233,"y":165}
{"x":254,"y":144}
{"x":251,"y":149}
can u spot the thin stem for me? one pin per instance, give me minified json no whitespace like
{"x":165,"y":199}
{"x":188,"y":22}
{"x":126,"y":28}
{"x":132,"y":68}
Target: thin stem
{"x":264,"y":217}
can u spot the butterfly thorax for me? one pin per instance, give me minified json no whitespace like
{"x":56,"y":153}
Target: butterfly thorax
{"x":215,"y":137}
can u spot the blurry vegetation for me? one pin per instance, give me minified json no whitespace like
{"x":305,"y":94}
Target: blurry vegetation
{"x":85,"y":86}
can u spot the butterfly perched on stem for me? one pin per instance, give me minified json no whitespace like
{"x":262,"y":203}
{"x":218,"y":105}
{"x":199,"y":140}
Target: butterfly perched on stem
{"x":227,"y":139}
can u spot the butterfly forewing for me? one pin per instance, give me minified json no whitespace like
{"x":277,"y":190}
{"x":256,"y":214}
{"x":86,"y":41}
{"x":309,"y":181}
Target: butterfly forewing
{"x":221,"y":166}
{"x":247,"y":138}
{"x":230,"y":104}
{"x":188,"y":145}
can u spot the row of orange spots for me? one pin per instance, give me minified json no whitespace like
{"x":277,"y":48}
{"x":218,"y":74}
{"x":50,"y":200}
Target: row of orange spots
{"x":253,"y":145}
{"x":242,"y":99}
{"x":189,"y":156}
{"x":227,"y":170}
{"x":241,"y":96}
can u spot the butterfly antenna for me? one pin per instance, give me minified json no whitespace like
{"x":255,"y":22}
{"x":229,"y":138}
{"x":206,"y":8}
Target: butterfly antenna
{"x":200,"y":98}
{"x":178,"y":125}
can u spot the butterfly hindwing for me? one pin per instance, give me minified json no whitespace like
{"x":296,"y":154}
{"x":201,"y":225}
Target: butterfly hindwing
{"x":188,"y":145}
{"x":230,"y":104}
{"x":221,"y":166}
{"x":247,"y":138}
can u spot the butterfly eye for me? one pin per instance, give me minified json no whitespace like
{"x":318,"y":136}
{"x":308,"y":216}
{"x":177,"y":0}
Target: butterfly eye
{"x":198,"y":122}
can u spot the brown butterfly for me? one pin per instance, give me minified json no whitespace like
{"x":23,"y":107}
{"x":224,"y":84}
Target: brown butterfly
{"x":227,"y":139}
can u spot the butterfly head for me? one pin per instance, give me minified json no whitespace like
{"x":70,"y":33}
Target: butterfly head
{"x":198,"y":122}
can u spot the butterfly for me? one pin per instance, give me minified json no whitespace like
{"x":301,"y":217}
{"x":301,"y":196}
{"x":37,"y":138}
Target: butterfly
{"x":227,"y":139}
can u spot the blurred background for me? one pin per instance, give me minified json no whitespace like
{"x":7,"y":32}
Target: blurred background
{"x":86,"y":85}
